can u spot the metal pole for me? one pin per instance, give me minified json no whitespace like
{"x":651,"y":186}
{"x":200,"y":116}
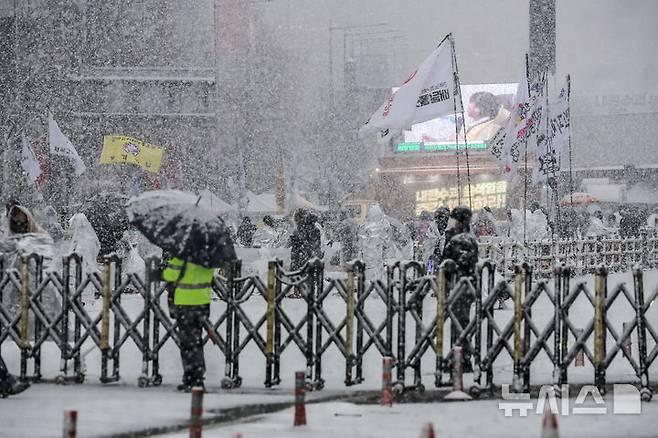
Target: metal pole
{"x":271,"y":297}
{"x":458,"y":88}
{"x":70,"y":424}
{"x":570,"y":150}
{"x":387,"y":376}
{"x":599,"y":327}
{"x":457,"y":369}
{"x":300,"y":399}
{"x":518,"y":344}
{"x":459,"y":184}
{"x":196,"y":412}
{"x":440,"y":322}
{"x":525,"y":166}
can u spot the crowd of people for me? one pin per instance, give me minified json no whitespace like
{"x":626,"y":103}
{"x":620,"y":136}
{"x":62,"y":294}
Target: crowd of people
{"x":333,"y":236}
{"x":336,"y":237}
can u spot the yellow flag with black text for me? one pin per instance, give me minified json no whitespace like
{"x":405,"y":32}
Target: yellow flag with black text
{"x":118,"y":149}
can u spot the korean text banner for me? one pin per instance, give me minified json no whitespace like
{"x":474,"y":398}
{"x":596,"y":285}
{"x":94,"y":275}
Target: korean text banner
{"x":127,"y":150}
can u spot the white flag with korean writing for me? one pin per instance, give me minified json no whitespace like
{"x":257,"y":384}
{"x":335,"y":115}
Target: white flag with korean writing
{"x":29,"y":161}
{"x":552,"y":139}
{"x":61,"y":145}
{"x":431,"y":91}
{"x":523,"y":126}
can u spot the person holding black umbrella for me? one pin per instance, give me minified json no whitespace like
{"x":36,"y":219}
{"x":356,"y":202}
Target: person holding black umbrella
{"x":199,"y":242}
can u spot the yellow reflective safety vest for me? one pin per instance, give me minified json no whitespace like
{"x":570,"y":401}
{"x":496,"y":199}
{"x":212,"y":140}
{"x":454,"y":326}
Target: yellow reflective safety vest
{"x":194,"y":282}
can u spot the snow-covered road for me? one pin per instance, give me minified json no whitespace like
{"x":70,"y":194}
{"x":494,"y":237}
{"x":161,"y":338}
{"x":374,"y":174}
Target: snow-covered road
{"x":112,"y":409}
{"x":121,"y":408}
{"x":458,"y":420}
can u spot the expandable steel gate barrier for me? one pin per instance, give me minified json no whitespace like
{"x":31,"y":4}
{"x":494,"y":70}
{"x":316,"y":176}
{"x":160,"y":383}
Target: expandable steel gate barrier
{"x":410,"y":316}
{"x":582,"y":255}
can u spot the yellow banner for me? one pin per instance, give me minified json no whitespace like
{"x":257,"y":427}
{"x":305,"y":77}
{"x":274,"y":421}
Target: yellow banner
{"x":127,"y":150}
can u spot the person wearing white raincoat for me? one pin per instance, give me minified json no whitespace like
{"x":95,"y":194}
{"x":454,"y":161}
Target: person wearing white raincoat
{"x":26,"y":237}
{"x":376,"y":241}
{"x":266,"y":235}
{"x":83,"y":242}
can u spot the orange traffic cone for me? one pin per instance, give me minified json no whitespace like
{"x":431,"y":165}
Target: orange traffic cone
{"x":428,"y":431}
{"x":549,"y":425}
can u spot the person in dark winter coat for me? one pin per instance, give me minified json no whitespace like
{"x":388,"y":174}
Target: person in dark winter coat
{"x":9,"y":385}
{"x":461,"y":247}
{"x":246,"y":232}
{"x":313,"y":235}
{"x":306,"y":241}
{"x":296,"y":242}
{"x":630,"y":223}
{"x":441,"y":218}
{"x":346,"y":234}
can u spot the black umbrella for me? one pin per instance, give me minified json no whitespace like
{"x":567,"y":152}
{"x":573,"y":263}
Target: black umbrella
{"x":178,"y":223}
{"x":107,"y":215}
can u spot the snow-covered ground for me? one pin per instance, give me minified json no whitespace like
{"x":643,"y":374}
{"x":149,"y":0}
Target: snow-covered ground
{"x":113,"y":409}
{"x":119,"y":409}
{"x":456,"y":420}
{"x":107,"y":409}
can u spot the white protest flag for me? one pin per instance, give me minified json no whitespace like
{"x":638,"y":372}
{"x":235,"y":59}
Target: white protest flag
{"x":430,"y":92}
{"x":29,"y":160}
{"x":61,"y":145}
{"x":496,"y":145}
{"x":538,"y":112}
{"x":552,"y":139}
{"x":501,"y":145}
{"x":527,"y":114}
{"x":559,"y":124}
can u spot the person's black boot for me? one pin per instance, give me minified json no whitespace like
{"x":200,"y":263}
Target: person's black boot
{"x":12,"y":386}
{"x":184,"y":387}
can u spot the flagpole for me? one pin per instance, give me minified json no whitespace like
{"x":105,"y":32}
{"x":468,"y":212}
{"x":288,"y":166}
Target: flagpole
{"x":525,"y":164}
{"x":570,"y":150}
{"x":454,"y":98}
{"x":454,"y":111}
{"x":548,"y":115}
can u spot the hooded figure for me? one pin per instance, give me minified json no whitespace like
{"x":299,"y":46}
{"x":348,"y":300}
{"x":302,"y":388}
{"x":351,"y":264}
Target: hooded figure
{"x":484,"y":223}
{"x":245,"y":232}
{"x":376,"y":239}
{"x":439,"y":225}
{"x":50,"y":221}
{"x":596,"y":226}
{"x":84,"y":242}
{"x":128,"y":250}
{"x":312,"y":234}
{"x":462,"y":248}
{"x":27,"y":237}
{"x":266,"y":236}
{"x":346,"y":234}
{"x":305,"y":242}
{"x":21,"y":221}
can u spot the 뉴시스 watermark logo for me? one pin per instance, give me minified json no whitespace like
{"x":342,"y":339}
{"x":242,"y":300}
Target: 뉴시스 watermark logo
{"x":625,"y":400}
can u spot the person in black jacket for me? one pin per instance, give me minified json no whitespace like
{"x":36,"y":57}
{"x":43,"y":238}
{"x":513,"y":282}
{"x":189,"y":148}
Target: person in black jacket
{"x":296,"y":242}
{"x":462,"y":248}
{"x":441,"y":218}
{"x":305,"y":242}
{"x":246,"y":232}
{"x":9,"y":385}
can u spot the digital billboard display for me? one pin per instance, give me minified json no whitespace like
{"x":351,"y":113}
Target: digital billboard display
{"x":485,"y":194}
{"x":486,"y":109}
